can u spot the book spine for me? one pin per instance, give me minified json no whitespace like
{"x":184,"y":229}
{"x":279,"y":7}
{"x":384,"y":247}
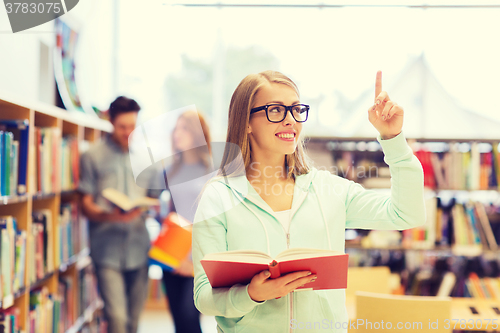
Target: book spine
{"x":274,"y":269}
{"x":2,"y":157}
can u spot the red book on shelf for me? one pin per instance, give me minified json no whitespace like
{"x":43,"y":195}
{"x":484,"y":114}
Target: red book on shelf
{"x":226,"y":269}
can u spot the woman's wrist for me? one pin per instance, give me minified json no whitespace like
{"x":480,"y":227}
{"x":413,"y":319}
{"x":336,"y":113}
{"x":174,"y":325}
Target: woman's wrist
{"x":388,"y":136}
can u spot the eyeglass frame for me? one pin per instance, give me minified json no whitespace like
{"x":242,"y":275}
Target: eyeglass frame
{"x":287,"y":108}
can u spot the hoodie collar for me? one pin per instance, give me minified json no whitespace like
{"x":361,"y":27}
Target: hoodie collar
{"x":241,"y":185}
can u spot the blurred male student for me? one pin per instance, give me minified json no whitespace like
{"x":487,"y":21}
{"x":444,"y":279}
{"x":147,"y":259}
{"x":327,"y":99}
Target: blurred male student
{"x":119,"y":241}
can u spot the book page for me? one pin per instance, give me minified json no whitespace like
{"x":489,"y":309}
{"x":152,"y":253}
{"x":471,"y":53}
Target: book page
{"x":123,"y":201}
{"x":249,"y":256}
{"x":144,"y":201}
{"x":303,"y":253}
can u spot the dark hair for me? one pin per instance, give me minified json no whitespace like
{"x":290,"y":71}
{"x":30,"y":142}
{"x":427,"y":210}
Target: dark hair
{"x":121,"y":105}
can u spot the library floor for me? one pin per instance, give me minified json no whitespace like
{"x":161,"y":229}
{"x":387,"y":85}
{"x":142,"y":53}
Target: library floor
{"x":160,"y":321}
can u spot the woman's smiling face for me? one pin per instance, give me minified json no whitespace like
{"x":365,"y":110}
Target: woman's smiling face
{"x":274,"y":138}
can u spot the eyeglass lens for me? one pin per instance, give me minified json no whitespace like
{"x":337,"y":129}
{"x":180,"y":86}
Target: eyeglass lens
{"x":277,"y":112}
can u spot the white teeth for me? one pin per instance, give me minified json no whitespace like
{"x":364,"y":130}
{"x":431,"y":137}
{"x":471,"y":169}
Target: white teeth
{"x":286,"y":136}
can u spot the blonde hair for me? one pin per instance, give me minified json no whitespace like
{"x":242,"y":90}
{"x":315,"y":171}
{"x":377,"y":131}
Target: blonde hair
{"x":238,"y":120}
{"x":202,"y":140}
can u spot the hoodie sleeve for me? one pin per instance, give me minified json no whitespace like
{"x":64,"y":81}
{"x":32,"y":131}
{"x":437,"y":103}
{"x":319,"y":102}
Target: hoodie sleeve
{"x":209,"y":236}
{"x":404,"y":208}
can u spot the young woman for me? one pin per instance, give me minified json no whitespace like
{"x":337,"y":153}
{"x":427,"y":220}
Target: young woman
{"x":273,"y":200}
{"x":191,"y":147}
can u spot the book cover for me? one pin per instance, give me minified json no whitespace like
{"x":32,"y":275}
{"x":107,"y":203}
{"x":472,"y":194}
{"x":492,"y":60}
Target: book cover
{"x":8,"y":137}
{"x":44,"y":217}
{"x":38,"y":149}
{"x":485,"y":224}
{"x":226,"y":269}
{"x":5,"y":264}
{"x":14,"y":167}
{"x":20,"y":129}
{"x":2,"y":157}
{"x":123,"y":202}
{"x":173,"y":243}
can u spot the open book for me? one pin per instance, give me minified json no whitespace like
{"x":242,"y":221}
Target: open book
{"x":122,"y":201}
{"x":225,"y":269}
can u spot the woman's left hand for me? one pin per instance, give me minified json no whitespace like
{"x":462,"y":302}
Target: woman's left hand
{"x":385,"y":115}
{"x":185,"y":268}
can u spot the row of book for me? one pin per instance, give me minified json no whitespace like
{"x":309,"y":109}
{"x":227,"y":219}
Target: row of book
{"x":9,"y":320}
{"x":465,"y":166}
{"x":58,"y":312}
{"x":55,"y":157}
{"x":56,"y":161}
{"x":465,"y":226}
{"x":461,"y":170}
{"x":16,"y":244}
{"x":72,"y":236}
{"x":13,"y":156}
{"x":12,"y":256}
{"x":41,"y":252}
{"x":486,"y":287}
{"x":88,"y":291}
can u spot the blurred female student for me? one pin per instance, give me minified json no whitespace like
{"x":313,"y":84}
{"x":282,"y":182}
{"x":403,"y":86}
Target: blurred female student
{"x":192,"y":161}
{"x":274,"y":200}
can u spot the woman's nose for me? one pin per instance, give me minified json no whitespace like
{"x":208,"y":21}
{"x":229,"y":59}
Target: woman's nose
{"x":288,"y":118}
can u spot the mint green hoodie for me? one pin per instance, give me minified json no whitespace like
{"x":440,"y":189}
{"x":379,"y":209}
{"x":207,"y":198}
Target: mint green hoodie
{"x":232,"y":216}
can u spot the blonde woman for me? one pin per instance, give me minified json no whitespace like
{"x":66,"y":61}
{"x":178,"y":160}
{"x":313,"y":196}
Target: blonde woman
{"x":285,"y":203}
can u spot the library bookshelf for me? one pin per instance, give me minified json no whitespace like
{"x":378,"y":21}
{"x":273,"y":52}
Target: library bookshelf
{"x":461,"y":178}
{"x":55,"y":287}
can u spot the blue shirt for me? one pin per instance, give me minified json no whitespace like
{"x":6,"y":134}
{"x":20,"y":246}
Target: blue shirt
{"x":117,"y":245}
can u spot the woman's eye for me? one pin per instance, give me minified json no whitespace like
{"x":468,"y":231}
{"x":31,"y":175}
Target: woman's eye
{"x":275,"y":109}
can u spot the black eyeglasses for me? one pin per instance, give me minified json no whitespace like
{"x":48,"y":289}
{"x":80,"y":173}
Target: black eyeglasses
{"x":276,"y":113}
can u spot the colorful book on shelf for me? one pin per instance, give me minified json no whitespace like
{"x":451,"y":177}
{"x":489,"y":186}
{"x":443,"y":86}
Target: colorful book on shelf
{"x":7,"y":157}
{"x":225,"y":269}
{"x":173,"y":244}
{"x":2,"y":157}
{"x":8,"y":230}
{"x":20,"y":264}
{"x":20,"y":130}
{"x":123,"y":202}
{"x":496,"y":165}
{"x":485,"y":225}
{"x":14,"y":168}
{"x":44,"y":217}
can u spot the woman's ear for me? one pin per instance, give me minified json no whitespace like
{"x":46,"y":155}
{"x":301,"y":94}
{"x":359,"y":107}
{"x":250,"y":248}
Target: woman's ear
{"x":249,"y":129}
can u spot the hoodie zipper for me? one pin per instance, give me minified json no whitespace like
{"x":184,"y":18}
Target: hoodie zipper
{"x":287,"y":234}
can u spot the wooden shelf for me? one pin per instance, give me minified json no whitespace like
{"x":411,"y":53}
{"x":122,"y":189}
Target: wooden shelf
{"x":39,"y":283}
{"x":13,"y":200}
{"x":82,"y":127}
{"x":11,"y":101}
{"x":81,"y":259}
{"x":86,"y":317}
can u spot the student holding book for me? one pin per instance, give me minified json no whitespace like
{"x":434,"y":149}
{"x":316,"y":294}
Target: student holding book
{"x":191,"y":162}
{"x":119,"y":240}
{"x":268,"y":198}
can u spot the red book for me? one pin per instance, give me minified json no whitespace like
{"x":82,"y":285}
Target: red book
{"x":226,"y":269}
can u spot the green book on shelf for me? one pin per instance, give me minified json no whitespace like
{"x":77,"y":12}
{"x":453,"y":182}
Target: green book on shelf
{"x":5,"y":262}
{"x":8,"y":138}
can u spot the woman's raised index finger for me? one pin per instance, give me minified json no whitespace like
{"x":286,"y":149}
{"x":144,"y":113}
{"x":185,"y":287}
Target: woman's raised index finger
{"x":378,"y":84}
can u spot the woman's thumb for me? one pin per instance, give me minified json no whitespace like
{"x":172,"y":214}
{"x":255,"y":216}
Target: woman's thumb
{"x":265,"y":275}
